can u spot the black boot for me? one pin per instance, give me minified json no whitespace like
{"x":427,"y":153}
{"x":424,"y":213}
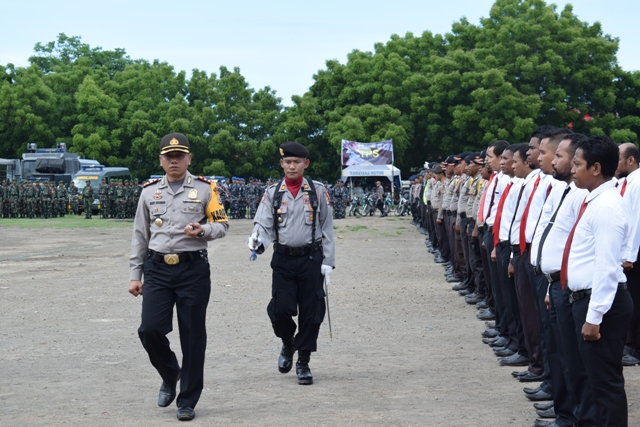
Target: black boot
{"x":285,"y":361}
{"x":302,"y":368}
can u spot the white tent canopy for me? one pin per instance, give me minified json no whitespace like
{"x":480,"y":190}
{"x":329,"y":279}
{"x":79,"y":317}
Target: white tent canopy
{"x":370,"y":170}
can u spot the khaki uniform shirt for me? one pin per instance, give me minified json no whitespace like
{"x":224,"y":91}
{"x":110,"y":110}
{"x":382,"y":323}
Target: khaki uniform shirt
{"x":295,"y":229}
{"x":162,"y":215}
{"x":471,"y":187}
{"x":455,"y":195}
{"x":446,"y":196}
{"x":481,"y":186}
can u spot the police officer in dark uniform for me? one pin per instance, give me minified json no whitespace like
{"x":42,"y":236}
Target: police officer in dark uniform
{"x":295,"y":215}
{"x":176,"y":218}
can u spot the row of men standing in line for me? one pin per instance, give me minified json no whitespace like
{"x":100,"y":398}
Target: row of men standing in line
{"x":118,"y":198}
{"x":544,"y":238}
{"x":237,"y":196}
{"x":33,"y":199}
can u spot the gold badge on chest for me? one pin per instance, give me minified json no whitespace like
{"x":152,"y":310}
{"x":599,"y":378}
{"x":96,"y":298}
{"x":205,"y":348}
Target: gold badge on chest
{"x":193,"y":194}
{"x":158,"y":194}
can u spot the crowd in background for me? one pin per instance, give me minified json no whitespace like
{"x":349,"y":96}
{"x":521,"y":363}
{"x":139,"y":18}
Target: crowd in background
{"x":543,"y":239}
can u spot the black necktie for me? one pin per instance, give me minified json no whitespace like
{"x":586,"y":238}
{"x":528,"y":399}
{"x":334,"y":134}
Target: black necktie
{"x":548,"y":230}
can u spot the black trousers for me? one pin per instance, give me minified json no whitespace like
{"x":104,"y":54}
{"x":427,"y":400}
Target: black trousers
{"x":493,"y":292}
{"x":563,"y":400}
{"x":510,"y":300}
{"x":560,"y":312}
{"x":297,"y":290}
{"x":633,"y":337}
{"x":478,"y":284}
{"x":187,"y":286}
{"x":445,"y":250}
{"x":603,"y":358}
{"x":528,"y":315}
{"x":466,"y":249}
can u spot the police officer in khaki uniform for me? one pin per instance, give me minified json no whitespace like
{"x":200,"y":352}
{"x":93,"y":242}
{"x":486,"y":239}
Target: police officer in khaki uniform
{"x":295,"y":215}
{"x":176,"y":218}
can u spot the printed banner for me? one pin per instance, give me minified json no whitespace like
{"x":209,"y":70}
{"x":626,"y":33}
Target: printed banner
{"x":367,"y":153}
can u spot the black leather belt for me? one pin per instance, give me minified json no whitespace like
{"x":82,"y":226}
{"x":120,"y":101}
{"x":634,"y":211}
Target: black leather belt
{"x":490,"y":229}
{"x":503,"y":244}
{"x":174,"y":259}
{"x":463,"y":215}
{"x":447,"y":212}
{"x":299,"y":251}
{"x":515,"y":249}
{"x":578,"y":295}
{"x":480,"y":229}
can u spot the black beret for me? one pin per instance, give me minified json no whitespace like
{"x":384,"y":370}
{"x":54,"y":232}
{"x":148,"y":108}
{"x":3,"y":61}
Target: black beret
{"x":293,"y":149}
{"x":437,"y":169}
{"x":174,"y":142}
{"x":450,"y":160}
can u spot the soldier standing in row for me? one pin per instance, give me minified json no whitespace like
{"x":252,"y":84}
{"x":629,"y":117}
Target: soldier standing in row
{"x":251,"y":192}
{"x":13,"y":199}
{"x":103,"y":195}
{"x":62,"y":196}
{"x":73,"y":195}
{"x":119,"y":200}
{"x":339,"y":199}
{"x":87,"y":199}
{"x":112,"y":198}
{"x":30,"y":197}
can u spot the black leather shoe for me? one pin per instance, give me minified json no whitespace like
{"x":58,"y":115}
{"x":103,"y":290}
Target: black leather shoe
{"x":539,"y":396}
{"x":490,"y":333}
{"x":629,"y":360}
{"x":500,"y":342}
{"x":186,"y":414}
{"x":490,"y":340}
{"x":504,"y":353}
{"x":532,"y":390}
{"x":543,"y":406}
{"x":474,"y":300}
{"x":516,"y":374}
{"x":514,"y":360}
{"x":464,"y":292}
{"x":529,"y":378}
{"x":453,"y":279}
{"x":549,"y":413}
{"x":460,"y":286}
{"x":439,"y":260}
{"x":543,"y":423}
{"x":486,"y":316}
{"x":285,"y":361}
{"x":304,"y":373}
{"x":482,"y":305}
{"x":167,"y":392}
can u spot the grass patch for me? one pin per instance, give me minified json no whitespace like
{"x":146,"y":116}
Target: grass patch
{"x":69,"y":221}
{"x":357,"y":227}
{"x":401,"y":228}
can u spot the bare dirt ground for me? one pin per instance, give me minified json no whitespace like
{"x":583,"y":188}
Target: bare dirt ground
{"x":406,"y":350}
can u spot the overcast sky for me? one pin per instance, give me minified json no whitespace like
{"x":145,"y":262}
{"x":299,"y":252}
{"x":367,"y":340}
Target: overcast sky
{"x":280,"y":44}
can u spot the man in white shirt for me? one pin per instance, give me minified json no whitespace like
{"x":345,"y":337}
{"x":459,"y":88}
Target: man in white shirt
{"x":628,"y":174}
{"x":558,"y":217}
{"x":592,"y":270}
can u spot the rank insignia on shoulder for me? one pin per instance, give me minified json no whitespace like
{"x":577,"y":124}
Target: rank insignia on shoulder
{"x":202,"y":178}
{"x":153,"y":181}
{"x":283,"y":187}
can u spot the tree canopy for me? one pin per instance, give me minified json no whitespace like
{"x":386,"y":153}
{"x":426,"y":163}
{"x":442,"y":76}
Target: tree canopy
{"x":523,"y":65}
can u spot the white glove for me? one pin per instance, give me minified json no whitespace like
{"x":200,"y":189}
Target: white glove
{"x":326,"y":271}
{"x":254,"y":242}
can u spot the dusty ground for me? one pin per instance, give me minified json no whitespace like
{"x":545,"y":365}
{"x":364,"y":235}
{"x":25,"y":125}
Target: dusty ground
{"x":406,"y":350}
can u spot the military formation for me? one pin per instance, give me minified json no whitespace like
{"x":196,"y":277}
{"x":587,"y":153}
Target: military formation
{"x":46,"y":199}
{"x":543,"y":239}
{"x":339,"y":198}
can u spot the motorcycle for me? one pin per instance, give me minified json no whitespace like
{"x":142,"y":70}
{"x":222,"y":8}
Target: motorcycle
{"x":403,"y":207}
{"x":387,"y":204}
{"x":368,"y":205}
{"x":354,"y":206}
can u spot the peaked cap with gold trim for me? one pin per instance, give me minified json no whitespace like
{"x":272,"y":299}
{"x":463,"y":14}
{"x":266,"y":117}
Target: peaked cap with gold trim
{"x":174,"y":142}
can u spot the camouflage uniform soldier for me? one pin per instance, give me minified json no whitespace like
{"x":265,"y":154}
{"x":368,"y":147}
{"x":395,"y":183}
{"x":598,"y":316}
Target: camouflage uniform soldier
{"x":251,"y":192}
{"x":242,"y":199}
{"x":112,"y":198}
{"x":103,"y":195}
{"x":61,"y":199}
{"x":137,"y":190}
{"x":120,"y":201}
{"x":87,"y":199}
{"x":47,"y":198}
{"x":30,"y":197}
{"x":38,"y":199}
{"x":22,"y":203}
{"x":13,"y":199}
{"x":234,"y":189}
{"x":3,"y":198}
{"x":339,"y":199}
{"x":128,"y":199}
{"x":73,"y":195}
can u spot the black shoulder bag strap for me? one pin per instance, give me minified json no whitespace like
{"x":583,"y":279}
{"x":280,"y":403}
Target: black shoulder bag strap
{"x":277,"y":200}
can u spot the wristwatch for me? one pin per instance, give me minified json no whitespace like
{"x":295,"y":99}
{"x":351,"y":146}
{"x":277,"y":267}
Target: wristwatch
{"x":200,"y":234}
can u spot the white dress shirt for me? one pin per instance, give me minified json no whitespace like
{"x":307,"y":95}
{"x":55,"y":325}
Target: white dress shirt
{"x":509,"y":208}
{"x":553,"y":248}
{"x":548,"y":209}
{"x":631,"y":200}
{"x":595,"y":257}
{"x":537,"y":202}
{"x":500,"y":182}
{"x":528,"y":182}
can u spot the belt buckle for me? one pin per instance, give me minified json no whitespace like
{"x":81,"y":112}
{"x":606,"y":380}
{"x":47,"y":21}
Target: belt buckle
{"x":171,"y":259}
{"x":571,"y":299}
{"x":548,"y":276}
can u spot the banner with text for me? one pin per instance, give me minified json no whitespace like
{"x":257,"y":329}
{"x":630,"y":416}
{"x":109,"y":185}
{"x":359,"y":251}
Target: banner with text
{"x":367,"y":153}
